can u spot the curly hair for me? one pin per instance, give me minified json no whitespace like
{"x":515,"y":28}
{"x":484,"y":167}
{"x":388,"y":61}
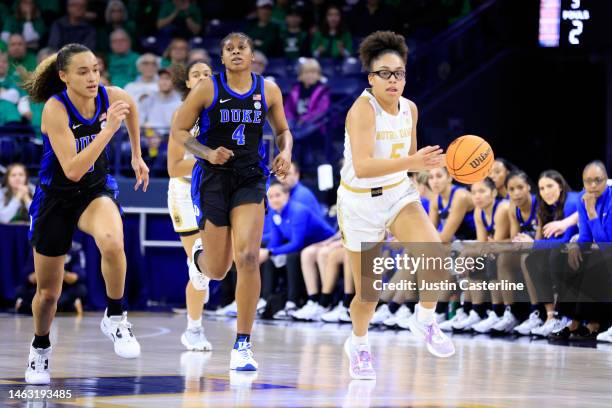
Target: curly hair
{"x":180,"y":76}
{"x":379,"y":43}
{"x":45,"y":82}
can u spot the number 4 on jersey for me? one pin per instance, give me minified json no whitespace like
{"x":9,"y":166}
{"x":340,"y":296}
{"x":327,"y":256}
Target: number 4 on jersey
{"x":238,"y":135}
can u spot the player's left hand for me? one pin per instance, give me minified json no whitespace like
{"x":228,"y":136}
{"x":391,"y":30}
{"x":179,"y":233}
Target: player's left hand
{"x":142,"y":173}
{"x":281,"y":165}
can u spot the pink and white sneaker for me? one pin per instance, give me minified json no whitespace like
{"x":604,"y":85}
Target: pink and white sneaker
{"x":437,"y":342}
{"x":360,"y":361}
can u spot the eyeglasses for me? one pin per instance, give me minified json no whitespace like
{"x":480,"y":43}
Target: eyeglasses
{"x":386,"y":74}
{"x":596,"y":181}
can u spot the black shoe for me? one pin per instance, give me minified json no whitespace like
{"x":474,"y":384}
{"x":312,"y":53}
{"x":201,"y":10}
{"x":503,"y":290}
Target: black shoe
{"x":562,"y":335}
{"x":583,"y":333}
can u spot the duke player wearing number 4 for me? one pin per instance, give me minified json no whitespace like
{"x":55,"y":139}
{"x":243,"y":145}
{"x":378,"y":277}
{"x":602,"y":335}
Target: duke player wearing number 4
{"x":375,"y":193}
{"x":79,"y":119}
{"x":230,"y":178}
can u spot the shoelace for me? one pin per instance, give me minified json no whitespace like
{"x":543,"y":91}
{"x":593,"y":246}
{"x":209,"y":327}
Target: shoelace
{"x":245,"y":351}
{"x":39,"y":364}
{"x":434,"y":332}
{"x":125,"y":327}
{"x":364,"y":359}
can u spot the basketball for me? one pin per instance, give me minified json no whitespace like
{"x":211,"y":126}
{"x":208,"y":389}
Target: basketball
{"x":469,"y":159}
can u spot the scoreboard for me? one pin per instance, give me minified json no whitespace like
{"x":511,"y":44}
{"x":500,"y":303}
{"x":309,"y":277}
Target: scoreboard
{"x":575,"y":23}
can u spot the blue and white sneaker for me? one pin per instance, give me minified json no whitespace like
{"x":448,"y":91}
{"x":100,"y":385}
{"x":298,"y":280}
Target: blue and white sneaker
{"x":242,"y":357}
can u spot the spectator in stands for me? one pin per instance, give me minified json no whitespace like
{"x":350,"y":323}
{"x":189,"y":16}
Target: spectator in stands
{"x":176,"y":53}
{"x":15,"y":195}
{"x":298,"y":191}
{"x":26,"y":21}
{"x":279,"y":12}
{"x":122,"y":61}
{"x":293,"y":226}
{"x":9,"y":94}
{"x":74,"y":290}
{"x":32,"y":112}
{"x":156,"y":111}
{"x":294,"y":38}
{"x":73,"y":28}
{"x":102,"y":67}
{"x":146,"y":84}
{"x":332,"y":39}
{"x":370,"y":16}
{"x":259,"y":65}
{"x":19,"y":56}
{"x":115,"y":16}
{"x":179,"y":18}
{"x":308,"y":101}
{"x":265,"y":33}
{"x":199,"y":54}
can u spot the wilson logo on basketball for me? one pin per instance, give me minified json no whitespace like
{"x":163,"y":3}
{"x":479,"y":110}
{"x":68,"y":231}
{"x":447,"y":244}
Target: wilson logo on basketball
{"x":480,"y":159}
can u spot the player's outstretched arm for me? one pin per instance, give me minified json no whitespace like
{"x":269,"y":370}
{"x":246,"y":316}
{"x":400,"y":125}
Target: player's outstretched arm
{"x":55,"y":124}
{"x":278,"y":121}
{"x":141,"y":170}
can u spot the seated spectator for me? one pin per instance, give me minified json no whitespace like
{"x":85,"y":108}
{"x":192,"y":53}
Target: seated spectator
{"x":156,"y":110}
{"x":32,"y":111}
{"x":15,"y":195}
{"x":292,"y":227}
{"x":370,"y":16}
{"x":294,"y":38}
{"x":332,"y":39}
{"x":73,"y":28}
{"x":259,"y":65}
{"x":298,"y":191}
{"x":122,"y":61}
{"x":116,"y":16}
{"x":19,"y":56}
{"x":74,"y":291}
{"x":265,"y":33}
{"x":179,"y":18}
{"x":102,"y":67}
{"x":199,"y":54}
{"x":8,"y":88}
{"x":146,"y":84}
{"x":176,"y":53}
{"x":308,"y":100}
{"x":279,"y":12}
{"x":26,"y":21}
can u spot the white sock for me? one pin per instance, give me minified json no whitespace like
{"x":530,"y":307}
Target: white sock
{"x":193,"y":324}
{"x":359,"y":340}
{"x":423,"y":315}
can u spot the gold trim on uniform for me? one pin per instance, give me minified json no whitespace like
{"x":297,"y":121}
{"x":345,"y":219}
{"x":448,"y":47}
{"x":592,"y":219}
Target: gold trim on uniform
{"x":369,"y":190}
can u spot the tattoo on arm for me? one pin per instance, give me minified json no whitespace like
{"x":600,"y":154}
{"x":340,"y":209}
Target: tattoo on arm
{"x":197,"y":148}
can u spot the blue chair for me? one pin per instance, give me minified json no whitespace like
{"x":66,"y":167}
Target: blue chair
{"x":350,"y":66}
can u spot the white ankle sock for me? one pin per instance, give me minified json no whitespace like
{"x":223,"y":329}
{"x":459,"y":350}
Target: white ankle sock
{"x":423,"y":315}
{"x":359,"y":340}
{"x":193,"y":324}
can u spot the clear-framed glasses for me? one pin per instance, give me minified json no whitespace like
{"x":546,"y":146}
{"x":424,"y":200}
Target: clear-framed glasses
{"x":597,"y":181}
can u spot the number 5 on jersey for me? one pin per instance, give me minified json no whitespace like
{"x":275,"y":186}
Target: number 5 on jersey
{"x":238,"y":135}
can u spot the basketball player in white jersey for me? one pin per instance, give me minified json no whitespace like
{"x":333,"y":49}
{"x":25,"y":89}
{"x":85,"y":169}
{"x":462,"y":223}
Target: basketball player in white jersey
{"x":180,"y":166}
{"x":376,"y":195}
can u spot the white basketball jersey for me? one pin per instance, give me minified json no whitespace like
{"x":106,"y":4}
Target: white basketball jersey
{"x":392,"y":140}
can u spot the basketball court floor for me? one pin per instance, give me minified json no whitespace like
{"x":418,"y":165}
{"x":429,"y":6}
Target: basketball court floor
{"x":301,"y":365}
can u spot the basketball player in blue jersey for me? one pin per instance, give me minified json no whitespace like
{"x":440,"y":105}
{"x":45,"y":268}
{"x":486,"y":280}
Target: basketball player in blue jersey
{"x":229,"y":178}
{"x":79,"y":119}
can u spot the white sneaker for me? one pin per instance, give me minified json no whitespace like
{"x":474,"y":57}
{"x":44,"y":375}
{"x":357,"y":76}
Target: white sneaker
{"x":381,"y":314}
{"x":551,"y":325}
{"x":38,"y":372}
{"x":261,"y":306}
{"x":506,"y":324}
{"x":230,"y":310}
{"x":605,"y":336}
{"x":528,"y":325}
{"x":285,"y":314}
{"x":440,"y":318}
{"x":402,"y":321}
{"x":467,"y":323}
{"x":485,"y":326}
{"x":360,"y":361}
{"x":119,"y":330}
{"x":447,"y":325}
{"x":402,"y":312}
{"x":242,"y":357}
{"x":333,"y":316}
{"x":195,"y":340}
{"x":311,"y":312}
{"x":345,"y":316}
{"x":197,"y":278}
{"x":436,"y":340}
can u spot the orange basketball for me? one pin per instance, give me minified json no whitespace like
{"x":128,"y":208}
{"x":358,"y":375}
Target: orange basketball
{"x":469,"y":159}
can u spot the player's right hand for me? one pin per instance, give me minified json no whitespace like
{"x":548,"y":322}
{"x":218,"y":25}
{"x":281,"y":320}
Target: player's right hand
{"x":427,"y":158}
{"x":116,"y":114}
{"x":220,"y":155}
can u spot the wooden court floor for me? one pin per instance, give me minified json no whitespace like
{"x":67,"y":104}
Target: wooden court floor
{"x":301,"y":365}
